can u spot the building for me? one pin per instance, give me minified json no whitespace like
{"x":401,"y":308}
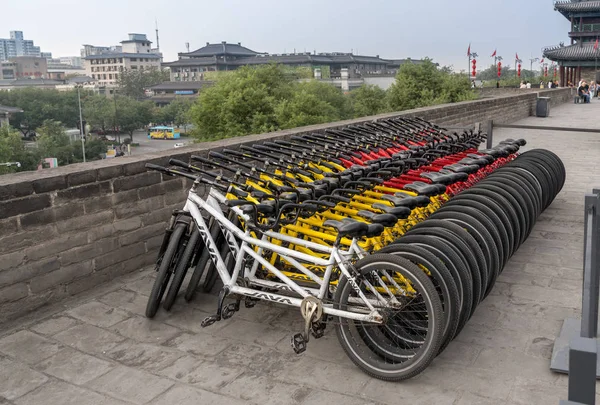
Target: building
{"x":579,"y":60}
{"x":15,"y":84}
{"x":105,"y":64}
{"x":163,"y":93}
{"x":5,"y":113}
{"x":74,"y":61}
{"x":17,"y":46}
{"x":30,"y":67}
{"x":191,"y":66}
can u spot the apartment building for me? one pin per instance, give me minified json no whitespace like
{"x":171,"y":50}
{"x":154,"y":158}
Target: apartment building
{"x":17,"y":46}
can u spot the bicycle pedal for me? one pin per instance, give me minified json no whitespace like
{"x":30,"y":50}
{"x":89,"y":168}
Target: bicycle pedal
{"x":318,"y":331}
{"x":209,"y":320}
{"x":229,"y":310}
{"x":250,"y":303}
{"x":298,"y":343}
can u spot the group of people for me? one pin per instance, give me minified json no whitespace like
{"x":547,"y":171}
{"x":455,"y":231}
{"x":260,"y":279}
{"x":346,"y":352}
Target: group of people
{"x":552,"y":84}
{"x":587,"y":91}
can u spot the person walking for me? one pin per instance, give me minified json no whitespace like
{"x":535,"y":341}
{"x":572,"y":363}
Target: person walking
{"x":593,"y":89}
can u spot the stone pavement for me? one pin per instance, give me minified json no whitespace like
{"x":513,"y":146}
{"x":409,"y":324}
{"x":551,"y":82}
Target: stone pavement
{"x":99,"y":349}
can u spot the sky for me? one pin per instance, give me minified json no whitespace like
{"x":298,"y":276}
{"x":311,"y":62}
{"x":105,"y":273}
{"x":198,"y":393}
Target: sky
{"x":438,"y":29}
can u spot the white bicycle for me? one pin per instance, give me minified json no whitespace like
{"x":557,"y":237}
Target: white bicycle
{"x":386,"y":311}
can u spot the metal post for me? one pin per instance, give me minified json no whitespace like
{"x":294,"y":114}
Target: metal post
{"x":582,"y":371}
{"x":82,"y":129}
{"x":490,"y":134}
{"x":591,"y":279}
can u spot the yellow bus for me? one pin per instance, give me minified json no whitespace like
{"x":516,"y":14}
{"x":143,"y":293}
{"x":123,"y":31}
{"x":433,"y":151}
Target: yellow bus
{"x":161,"y":132}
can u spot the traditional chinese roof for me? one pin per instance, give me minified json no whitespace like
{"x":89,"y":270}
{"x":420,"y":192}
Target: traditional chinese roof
{"x":221,"y":49}
{"x":580,"y":51}
{"x":567,"y":8}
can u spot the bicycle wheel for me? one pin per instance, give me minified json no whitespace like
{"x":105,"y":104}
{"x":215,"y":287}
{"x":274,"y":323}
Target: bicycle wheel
{"x":204,"y":265}
{"x":169,"y":260}
{"x":181,"y":270}
{"x":421,"y":316}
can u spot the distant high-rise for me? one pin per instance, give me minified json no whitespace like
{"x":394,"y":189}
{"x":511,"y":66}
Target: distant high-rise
{"x":17,"y":46}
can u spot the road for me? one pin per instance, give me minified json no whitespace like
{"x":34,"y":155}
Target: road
{"x":152,"y":145}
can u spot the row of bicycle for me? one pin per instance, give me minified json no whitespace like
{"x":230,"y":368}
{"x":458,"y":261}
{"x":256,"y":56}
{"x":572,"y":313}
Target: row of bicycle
{"x":323,"y":222}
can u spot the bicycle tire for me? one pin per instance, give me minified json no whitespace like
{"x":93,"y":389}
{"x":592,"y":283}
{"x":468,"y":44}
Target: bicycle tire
{"x":164,"y":271}
{"x":204,"y":264}
{"x":181,"y":270}
{"x":357,"y":349}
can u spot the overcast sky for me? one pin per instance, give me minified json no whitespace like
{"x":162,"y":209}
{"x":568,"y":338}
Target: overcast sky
{"x":439,"y":29}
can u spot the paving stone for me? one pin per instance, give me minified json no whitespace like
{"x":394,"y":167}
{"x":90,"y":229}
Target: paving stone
{"x":142,"y":285}
{"x":145,"y":330}
{"x":130,"y":385}
{"x":203,"y":345}
{"x":184,"y":395}
{"x":28,"y":347}
{"x":89,"y":339}
{"x":514,"y":363}
{"x":317,"y":397}
{"x":252,"y":332}
{"x":460,"y":353}
{"x":142,"y":355}
{"x":264,"y":390}
{"x":54,"y":325}
{"x":126,"y":299}
{"x":529,"y":391}
{"x":17,"y":380}
{"x":74,"y":367}
{"x":181,"y":367}
{"x":58,"y":392}
{"x":98,"y":314}
{"x":210,"y":376}
{"x":467,"y":398}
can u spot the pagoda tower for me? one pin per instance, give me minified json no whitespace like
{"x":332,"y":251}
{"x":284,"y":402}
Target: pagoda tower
{"x":580,"y":59}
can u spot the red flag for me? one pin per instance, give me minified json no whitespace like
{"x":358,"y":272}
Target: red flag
{"x":516,"y":56}
{"x":469,"y":50}
{"x":596,"y":45}
{"x":494,"y":54}
{"x":542,"y":61}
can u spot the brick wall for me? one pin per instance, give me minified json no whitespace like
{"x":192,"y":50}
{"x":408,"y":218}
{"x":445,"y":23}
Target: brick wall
{"x":66,"y":230}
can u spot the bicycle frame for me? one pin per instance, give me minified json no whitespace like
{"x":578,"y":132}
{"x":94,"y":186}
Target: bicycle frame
{"x":338,"y":258}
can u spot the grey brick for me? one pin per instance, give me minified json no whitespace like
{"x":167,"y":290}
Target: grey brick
{"x":85,"y":222}
{"x":28,"y":347}
{"x":110,"y":172}
{"x":93,"y":280}
{"x":130,"y":196}
{"x":96,"y":204}
{"x":85,"y":177}
{"x":11,"y":260}
{"x":40,"y":218}
{"x":49,"y":184}
{"x":100,"y":232}
{"x":176,"y":197}
{"x":56,"y":245}
{"x":17,"y":380}
{"x":138,"y":263}
{"x":24,"y":205}
{"x":136,"y":181}
{"x":9,"y":226}
{"x":141,"y":235}
{"x":160,"y":215}
{"x":85,"y":191}
{"x":87,"y":252}
{"x":13,"y":292}
{"x":129,"y":224}
{"x":63,"y":275}
{"x":16,"y":190}
{"x":119,"y":255}
{"x":141,"y":207}
{"x":28,"y":271}
{"x":155,"y":242}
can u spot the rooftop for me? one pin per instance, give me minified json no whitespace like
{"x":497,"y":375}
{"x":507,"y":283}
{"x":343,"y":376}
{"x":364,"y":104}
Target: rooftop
{"x":123,"y":55}
{"x":580,"y":51}
{"x":223,"y":48}
{"x":567,"y":8}
{"x":10,"y":110}
{"x":194,"y":85}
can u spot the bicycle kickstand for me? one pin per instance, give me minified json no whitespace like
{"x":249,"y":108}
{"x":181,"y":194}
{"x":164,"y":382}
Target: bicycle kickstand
{"x":209,"y":320}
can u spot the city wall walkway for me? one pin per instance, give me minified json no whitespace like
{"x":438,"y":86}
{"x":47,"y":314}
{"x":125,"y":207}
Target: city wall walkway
{"x":97,"y":347}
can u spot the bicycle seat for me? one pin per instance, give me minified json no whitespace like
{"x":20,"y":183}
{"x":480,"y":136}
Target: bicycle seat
{"x":373,"y":230}
{"x":408,"y":202}
{"x":474,"y":161}
{"x":460,"y":168}
{"x":488,"y":158}
{"x":351,"y":228}
{"x":398,"y":212}
{"x":493,"y":152}
{"x":385,"y":220}
{"x":264,"y":209}
{"x":425,"y":189}
{"x":421,"y":201}
{"x":457,"y":176}
{"x":439,"y":178}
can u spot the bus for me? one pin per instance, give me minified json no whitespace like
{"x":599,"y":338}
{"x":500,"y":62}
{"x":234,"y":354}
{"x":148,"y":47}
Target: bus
{"x":161,"y":132}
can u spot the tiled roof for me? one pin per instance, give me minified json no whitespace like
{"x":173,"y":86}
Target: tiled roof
{"x":123,"y":55}
{"x":195,"y":85}
{"x":10,"y":110}
{"x":285,"y":59}
{"x":205,"y":61}
{"x":577,"y":6}
{"x":221,"y":49}
{"x":583,"y":51}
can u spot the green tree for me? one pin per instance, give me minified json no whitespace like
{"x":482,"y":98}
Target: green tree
{"x":54,"y":142}
{"x":99,"y":112}
{"x":132,"y":83}
{"x":368,"y":100}
{"x":133,"y":114}
{"x":305,"y":108}
{"x":176,"y":112}
{"x":424,"y":85}
{"x":94,"y":149}
{"x":13,"y":149}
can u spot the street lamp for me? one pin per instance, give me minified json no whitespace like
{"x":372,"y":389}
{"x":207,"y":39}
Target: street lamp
{"x":531,"y":61}
{"x":9,"y":164}
{"x":81,"y":128}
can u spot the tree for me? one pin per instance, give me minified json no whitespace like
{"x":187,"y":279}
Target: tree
{"x":54,"y":142}
{"x":133,"y":83}
{"x":424,"y":85}
{"x":99,"y":112}
{"x":133,"y":114}
{"x":305,"y":108}
{"x":12,"y":149}
{"x":368,"y":100}
{"x":94,"y":149}
{"x":176,"y":112}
